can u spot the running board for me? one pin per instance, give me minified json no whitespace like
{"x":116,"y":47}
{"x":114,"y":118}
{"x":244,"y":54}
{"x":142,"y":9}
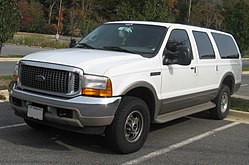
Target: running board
{"x":183,"y":112}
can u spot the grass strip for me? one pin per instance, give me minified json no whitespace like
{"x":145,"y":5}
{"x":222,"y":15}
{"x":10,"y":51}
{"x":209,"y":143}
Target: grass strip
{"x":245,"y":68}
{"x":246,"y":55}
{"x":8,"y":77}
{"x":5,"y":81}
{"x":11,"y":56}
{"x":34,"y":39}
{"x":240,"y":104}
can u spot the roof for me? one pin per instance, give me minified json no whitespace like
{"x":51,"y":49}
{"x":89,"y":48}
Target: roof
{"x":190,"y":27}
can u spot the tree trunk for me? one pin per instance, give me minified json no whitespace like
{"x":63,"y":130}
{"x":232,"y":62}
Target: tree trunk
{"x":51,"y":6}
{"x":1,"y":46}
{"x":189,"y":10}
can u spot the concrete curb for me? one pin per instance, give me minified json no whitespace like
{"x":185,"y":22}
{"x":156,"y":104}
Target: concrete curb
{"x":9,"y":59}
{"x":238,"y":116}
{"x":245,"y":72}
{"x":4,"y":93}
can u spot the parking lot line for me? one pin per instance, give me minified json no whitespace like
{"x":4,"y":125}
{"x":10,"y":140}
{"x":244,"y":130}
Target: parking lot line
{"x":13,"y":126}
{"x":244,"y":85}
{"x":151,"y":155}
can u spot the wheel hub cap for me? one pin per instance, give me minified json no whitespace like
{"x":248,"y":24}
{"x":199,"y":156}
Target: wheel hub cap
{"x":224,"y":102}
{"x":133,"y":126}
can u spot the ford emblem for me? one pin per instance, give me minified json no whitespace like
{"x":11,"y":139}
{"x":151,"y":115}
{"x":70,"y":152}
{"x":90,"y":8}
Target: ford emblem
{"x":40,"y":78}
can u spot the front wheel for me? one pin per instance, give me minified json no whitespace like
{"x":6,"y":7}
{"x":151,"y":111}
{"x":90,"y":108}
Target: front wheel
{"x":130,"y":127}
{"x":222,"y":102}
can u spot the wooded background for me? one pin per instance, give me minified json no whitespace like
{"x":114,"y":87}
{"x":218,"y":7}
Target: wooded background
{"x":78,"y":17}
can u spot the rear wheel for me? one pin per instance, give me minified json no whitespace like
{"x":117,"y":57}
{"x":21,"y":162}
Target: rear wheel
{"x":130,"y":127}
{"x":222,"y":102}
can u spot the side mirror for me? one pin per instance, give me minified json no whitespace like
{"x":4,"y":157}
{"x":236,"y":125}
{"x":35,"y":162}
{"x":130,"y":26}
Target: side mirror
{"x":72,"y":43}
{"x":169,"y":57}
{"x":182,"y":56}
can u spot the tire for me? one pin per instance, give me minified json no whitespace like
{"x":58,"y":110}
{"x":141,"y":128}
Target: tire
{"x":222,"y":102}
{"x":35,"y":125}
{"x":130,"y":127}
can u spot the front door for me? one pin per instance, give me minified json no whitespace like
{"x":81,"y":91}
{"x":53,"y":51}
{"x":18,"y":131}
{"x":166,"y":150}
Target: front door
{"x":178,"y":81}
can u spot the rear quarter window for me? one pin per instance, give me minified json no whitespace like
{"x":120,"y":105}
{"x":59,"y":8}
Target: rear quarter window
{"x":204,"y":45}
{"x":226,"y":46}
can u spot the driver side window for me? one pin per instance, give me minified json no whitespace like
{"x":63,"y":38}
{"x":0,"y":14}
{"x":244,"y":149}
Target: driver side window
{"x":178,"y":38}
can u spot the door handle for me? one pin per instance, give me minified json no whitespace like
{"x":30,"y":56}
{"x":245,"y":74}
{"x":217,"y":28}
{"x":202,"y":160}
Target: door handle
{"x":193,"y":68}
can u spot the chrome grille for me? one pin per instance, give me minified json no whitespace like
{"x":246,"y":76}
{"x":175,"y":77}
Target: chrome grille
{"x":53,"y":81}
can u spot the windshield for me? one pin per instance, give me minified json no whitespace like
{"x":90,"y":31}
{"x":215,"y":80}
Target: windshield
{"x":133,"y":38}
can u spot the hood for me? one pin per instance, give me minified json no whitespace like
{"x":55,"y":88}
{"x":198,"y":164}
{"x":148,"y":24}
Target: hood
{"x":91,"y":61}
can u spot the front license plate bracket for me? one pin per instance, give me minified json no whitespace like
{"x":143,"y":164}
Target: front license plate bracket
{"x":35,"y":112}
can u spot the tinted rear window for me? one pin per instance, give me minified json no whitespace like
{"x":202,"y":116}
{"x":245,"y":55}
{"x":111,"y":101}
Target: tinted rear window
{"x":204,"y":45}
{"x":226,"y":46}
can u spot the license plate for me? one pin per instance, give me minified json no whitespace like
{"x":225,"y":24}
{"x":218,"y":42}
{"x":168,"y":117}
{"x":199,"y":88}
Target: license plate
{"x":35,"y":112}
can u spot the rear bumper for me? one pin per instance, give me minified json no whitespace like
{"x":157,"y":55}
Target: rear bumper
{"x":80,"y":111}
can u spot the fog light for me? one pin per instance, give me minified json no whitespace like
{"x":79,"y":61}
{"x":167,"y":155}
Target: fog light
{"x":50,"y":109}
{"x":28,"y":103}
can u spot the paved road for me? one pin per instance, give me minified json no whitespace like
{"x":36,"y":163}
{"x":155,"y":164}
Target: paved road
{"x":244,"y":88}
{"x":191,"y":140}
{"x":20,"y":50}
{"x":245,"y":62}
{"x":6,"y":68}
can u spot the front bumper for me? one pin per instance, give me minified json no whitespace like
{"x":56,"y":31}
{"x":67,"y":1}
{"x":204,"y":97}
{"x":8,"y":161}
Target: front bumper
{"x":80,"y":111}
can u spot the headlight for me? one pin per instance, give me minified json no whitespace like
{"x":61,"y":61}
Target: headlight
{"x":97,"y":86}
{"x":15,"y":73}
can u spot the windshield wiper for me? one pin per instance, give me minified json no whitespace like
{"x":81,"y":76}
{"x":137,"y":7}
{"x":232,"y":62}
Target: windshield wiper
{"x":84,"y":45}
{"x":116,"y":48}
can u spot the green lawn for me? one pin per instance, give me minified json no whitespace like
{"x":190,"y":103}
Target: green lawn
{"x":10,"y":56}
{"x":34,"y":39}
{"x":9,"y":77}
{"x":245,"y":68}
{"x":246,"y":55}
{"x":5,"y":81}
{"x":240,"y":104}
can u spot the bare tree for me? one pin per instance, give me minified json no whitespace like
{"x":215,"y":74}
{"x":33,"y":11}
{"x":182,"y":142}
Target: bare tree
{"x":51,"y":6}
{"x":207,"y":14}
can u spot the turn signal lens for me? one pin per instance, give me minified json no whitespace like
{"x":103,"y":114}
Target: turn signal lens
{"x":15,"y":73}
{"x":107,"y":92}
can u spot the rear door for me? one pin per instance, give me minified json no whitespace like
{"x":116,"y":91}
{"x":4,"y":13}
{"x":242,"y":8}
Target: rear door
{"x":208,"y":71}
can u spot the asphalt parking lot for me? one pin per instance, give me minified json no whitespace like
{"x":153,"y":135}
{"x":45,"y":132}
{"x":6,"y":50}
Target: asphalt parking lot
{"x":191,"y":140}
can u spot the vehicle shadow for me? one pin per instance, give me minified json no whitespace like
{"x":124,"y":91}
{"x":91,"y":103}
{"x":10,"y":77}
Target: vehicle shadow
{"x":155,"y":127}
{"x":200,"y":115}
{"x":52,"y":138}
{"x":61,"y":140}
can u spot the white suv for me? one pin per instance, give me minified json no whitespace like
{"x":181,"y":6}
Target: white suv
{"x":124,"y":76}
